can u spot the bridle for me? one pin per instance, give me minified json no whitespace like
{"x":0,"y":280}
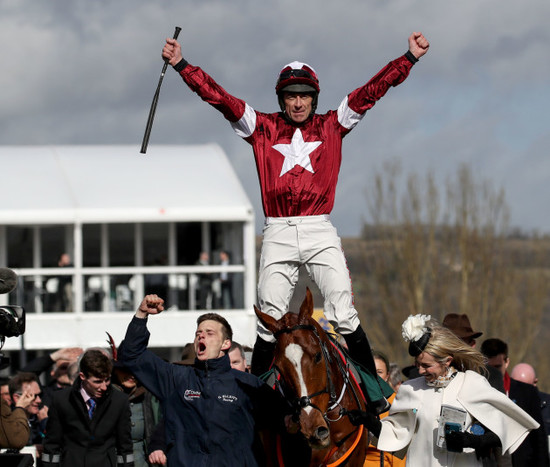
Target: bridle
{"x":300,"y":403}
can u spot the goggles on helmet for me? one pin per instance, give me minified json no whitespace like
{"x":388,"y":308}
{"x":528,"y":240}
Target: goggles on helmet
{"x":292,"y":75}
{"x":296,"y":74}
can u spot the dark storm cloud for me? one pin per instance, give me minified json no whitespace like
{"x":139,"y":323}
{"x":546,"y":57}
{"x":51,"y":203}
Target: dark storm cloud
{"x":81,"y":72}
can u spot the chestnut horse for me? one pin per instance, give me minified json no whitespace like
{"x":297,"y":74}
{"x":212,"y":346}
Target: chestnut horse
{"x":314,"y":377}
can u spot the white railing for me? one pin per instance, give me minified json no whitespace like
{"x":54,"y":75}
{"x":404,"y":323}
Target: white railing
{"x":88,"y":280}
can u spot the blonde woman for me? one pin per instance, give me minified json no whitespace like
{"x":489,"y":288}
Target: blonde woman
{"x":450,"y":415}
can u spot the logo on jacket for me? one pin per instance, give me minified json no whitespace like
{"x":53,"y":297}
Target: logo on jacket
{"x":227,"y":398}
{"x":190,"y":395}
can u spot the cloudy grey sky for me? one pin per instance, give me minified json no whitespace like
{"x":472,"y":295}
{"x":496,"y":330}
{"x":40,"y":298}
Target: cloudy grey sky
{"x":84,"y":72}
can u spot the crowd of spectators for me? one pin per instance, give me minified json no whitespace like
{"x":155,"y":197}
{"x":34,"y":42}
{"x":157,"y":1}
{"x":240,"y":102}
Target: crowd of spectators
{"x":108,"y":405}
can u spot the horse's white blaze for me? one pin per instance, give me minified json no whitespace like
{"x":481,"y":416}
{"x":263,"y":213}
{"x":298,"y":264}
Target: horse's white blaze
{"x":294,"y":354}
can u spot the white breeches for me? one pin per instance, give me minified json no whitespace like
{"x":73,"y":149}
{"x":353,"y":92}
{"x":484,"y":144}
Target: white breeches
{"x":312,"y":241}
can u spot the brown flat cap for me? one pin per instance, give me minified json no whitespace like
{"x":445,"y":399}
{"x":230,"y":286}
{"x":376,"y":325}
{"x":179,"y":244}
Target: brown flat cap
{"x":460,"y":325}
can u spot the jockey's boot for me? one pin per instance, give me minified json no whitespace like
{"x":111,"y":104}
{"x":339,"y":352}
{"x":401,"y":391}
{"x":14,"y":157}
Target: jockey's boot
{"x":262,"y":356}
{"x":361,"y":352}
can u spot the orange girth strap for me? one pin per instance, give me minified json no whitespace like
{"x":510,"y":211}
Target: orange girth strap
{"x":350,"y":450}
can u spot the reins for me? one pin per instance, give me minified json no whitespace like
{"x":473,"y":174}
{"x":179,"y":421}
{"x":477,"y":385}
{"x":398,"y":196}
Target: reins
{"x":347,"y":453}
{"x":334,"y":401}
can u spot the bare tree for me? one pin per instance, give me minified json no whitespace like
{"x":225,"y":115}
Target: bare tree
{"x":434,"y":254}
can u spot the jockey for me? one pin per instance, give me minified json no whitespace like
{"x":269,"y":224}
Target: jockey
{"x":298,"y":156}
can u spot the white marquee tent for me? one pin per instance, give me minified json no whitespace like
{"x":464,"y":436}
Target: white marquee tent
{"x":117,"y":183}
{"x":78,"y":185}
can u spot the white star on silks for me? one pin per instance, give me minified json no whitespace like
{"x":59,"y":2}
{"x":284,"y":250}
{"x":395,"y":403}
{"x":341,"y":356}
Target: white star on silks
{"x":296,"y":153}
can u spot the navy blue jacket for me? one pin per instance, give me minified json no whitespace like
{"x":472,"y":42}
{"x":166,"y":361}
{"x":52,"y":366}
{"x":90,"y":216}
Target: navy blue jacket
{"x":211,"y":411}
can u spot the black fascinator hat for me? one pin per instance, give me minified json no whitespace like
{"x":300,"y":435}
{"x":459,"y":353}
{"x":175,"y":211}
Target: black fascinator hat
{"x":416,"y":332}
{"x":418,"y":346}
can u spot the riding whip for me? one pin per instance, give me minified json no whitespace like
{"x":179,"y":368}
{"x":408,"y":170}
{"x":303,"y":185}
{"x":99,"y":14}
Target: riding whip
{"x":154,"y":103}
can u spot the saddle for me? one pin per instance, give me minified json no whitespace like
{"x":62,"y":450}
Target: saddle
{"x":371,"y":385}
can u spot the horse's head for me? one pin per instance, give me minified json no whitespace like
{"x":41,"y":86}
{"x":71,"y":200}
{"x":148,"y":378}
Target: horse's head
{"x":302,"y":357}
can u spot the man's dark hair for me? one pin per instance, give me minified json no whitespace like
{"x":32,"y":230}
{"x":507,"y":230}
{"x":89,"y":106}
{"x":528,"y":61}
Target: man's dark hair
{"x":226,"y":328}
{"x":16,"y":383}
{"x":96,"y":363}
{"x":236,"y":345}
{"x":493,"y":347}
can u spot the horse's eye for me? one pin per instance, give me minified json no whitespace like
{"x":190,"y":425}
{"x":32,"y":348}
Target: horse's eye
{"x":318,"y":357}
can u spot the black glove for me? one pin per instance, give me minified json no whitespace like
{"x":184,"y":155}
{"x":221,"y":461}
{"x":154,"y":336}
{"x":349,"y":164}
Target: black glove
{"x":458,"y":440}
{"x":360,"y":417}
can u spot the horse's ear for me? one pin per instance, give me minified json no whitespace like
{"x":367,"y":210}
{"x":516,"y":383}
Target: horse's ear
{"x":268,"y":321}
{"x":306,"y":310}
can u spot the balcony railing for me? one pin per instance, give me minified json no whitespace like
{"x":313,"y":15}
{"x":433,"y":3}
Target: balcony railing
{"x":43,"y":290}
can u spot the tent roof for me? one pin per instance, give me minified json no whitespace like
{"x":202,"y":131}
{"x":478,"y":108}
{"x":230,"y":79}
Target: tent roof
{"x":88,"y":184}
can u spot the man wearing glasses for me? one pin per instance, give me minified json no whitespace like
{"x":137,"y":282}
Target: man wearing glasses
{"x":37,"y":413}
{"x":298,"y":155}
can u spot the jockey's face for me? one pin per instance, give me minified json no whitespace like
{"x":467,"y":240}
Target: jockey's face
{"x":298,"y":106}
{"x":209,"y":340}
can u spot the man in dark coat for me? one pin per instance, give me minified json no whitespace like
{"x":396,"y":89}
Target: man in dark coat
{"x":211,"y":411}
{"x":534,"y":449}
{"x":89,"y":423}
{"x":526,"y":374}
